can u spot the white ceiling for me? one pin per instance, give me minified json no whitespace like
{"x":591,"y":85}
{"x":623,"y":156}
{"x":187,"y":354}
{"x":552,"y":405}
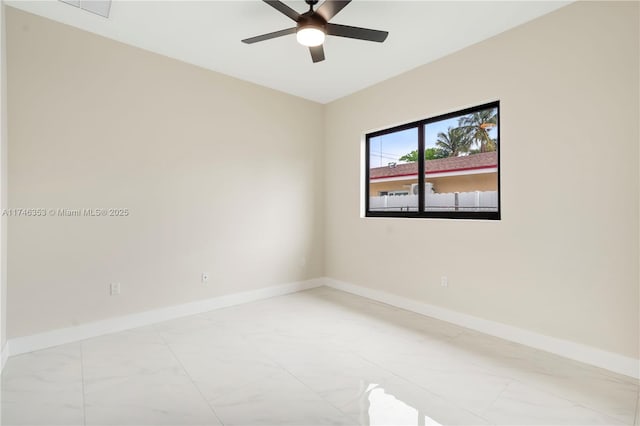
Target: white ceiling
{"x":208,"y":34}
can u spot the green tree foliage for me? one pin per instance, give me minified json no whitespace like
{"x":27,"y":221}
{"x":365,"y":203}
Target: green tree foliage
{"x":429,"y":154}
{"x":434,"y":154}
{"x":411,"y":157}
{"x":477,"y":126}
{"x":455,"y":142}
{"x":470,"y":137}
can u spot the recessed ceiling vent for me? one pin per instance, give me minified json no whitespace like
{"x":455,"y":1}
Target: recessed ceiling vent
{"x":99,"y":7}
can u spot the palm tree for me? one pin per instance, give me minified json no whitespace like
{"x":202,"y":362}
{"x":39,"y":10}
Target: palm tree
{"x":455,"y":142}
{"x":477,"y":127}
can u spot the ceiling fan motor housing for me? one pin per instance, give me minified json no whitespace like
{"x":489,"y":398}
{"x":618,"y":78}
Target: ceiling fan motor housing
{"x":312,"y":26}
{"x":312,"y":19}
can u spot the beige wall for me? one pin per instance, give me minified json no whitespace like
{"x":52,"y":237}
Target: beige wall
{"x":563,"y":261}
{"x":464,"y":183}
{"x":397,"y":185}
{"x":94,"y":123}
{"x":3,"y":178}
{"x":220,"y":176}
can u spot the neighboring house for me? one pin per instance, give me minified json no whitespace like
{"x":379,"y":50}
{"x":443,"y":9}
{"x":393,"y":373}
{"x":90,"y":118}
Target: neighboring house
{"x":476,"y":172}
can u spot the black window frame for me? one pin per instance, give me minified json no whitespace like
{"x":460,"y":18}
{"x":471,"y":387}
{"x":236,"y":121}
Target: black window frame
{"x":421,"y":213}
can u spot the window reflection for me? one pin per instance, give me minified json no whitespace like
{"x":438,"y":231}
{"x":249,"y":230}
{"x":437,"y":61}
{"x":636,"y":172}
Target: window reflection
{"x":385,"y":409}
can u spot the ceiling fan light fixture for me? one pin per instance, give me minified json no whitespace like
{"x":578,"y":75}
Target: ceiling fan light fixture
{"x":310,"y":36}
{"x":313,"y":25}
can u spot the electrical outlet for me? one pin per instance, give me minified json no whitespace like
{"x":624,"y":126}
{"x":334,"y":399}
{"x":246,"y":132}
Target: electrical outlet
{"x":114,"y":289}
{"x":444,"y":281}
{"x":205,"y":277}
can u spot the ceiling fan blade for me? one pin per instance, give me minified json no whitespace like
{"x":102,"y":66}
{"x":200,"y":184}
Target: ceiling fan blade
{"x":330,"y":8}
{"x":317,"y":53}
{"x":269,"y":36}
{"x":356,"y":32}
{"x":283,"y":8}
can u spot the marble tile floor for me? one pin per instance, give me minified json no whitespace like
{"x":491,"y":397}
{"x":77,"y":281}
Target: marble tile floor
{"x":319,"y":357}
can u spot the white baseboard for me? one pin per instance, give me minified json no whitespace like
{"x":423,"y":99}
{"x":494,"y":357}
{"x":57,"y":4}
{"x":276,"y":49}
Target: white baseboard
{"x":20,"y":345}
{"x":576,"y":351}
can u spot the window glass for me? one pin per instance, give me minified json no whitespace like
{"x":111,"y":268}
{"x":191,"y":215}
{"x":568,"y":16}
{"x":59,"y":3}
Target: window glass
{"x":393,"y":171}
{"x":440,"y":167}
{"x":461,"y":162}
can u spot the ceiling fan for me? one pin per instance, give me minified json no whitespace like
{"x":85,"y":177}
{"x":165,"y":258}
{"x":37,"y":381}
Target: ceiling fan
{"x":313,"y":25}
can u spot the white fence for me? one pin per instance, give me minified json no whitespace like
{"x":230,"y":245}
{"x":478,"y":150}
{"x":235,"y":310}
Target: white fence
{"x":476,"y":201}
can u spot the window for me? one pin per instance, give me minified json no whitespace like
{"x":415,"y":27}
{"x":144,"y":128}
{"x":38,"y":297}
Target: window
{"x":457,"y":154}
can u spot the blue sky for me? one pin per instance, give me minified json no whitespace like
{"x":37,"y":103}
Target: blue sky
{"x":389,"y":148}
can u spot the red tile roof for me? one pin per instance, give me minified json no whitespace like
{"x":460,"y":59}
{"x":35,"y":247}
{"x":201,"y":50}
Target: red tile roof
{"x":451,"y":164}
